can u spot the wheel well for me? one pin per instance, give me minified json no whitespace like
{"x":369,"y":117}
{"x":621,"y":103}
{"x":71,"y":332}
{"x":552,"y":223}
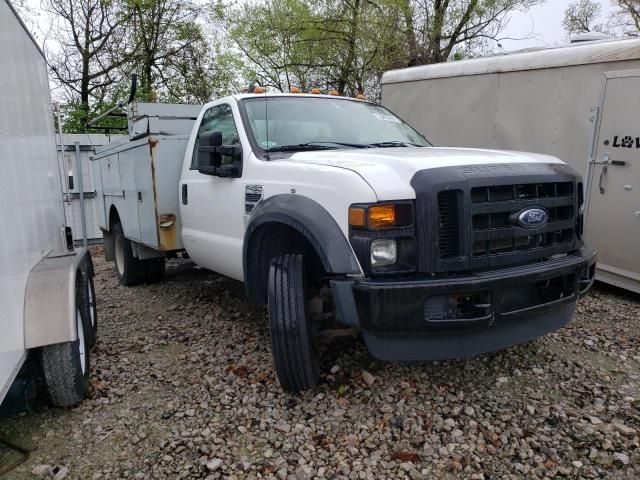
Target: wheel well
{"x":269,"y":241}
{"x":113,"y":217}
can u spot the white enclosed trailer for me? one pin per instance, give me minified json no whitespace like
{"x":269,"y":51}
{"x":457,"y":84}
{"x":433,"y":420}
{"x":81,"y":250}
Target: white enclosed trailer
{"x":579,"y":103}
{"x":46,"y":291}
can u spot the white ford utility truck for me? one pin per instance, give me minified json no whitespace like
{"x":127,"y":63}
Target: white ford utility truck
{"x":336,"y":213}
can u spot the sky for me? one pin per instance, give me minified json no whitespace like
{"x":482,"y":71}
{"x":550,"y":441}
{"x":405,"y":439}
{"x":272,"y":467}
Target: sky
{"x":540,"y":26}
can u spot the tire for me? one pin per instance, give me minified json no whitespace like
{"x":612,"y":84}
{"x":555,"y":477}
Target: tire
{"x":130,"y":270}
{"x":65,"y":366}
{"x":154,"y":269}
{"x":91,"y":310}
{"x":294,"y":356}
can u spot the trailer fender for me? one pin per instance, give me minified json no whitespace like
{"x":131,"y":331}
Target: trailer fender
{"x":49,"y":310}
{"x":309,"y":219}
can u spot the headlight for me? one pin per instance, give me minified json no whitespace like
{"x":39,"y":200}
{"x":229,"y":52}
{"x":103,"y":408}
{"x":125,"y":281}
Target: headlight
{"x":383,"y":252}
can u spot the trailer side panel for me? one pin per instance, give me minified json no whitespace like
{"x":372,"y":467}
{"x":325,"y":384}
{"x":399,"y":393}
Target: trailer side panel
{"x":30,"y":182}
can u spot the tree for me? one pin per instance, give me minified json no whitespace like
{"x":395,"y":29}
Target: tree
{"x":582,"y":17}
{"x":348,"y":44}
{"x":171,"y":53}
{"x":89,"y":49}
{"x":627,"y":18}
{"x":437,"y":29}
{"x":27,"y":13}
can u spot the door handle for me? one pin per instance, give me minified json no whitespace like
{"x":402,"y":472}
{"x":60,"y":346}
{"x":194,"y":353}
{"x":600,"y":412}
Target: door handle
{"x":603,"y":173}
{"x":185,"y":194}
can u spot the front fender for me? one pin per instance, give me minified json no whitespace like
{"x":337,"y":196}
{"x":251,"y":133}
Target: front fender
{"x":308,"y":218}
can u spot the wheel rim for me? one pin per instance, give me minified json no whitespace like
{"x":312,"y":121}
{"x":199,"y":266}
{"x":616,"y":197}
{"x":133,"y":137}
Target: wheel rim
{"x":119,"y":256}
{"x":81,"y":343}
{"x":92,"y":305}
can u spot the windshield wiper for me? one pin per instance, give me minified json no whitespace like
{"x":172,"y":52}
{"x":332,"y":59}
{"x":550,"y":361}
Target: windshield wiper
{"x":394,"y":143}
{"x":299,"y":147}
{"x":342,"y":144}
{"x":314,"y":146}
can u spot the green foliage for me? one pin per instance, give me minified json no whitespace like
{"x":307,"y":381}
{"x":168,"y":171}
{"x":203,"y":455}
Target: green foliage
{"x":582,"y":17}
{"x":348,"y":44}
{"x":192,"y":51}
{"x":74,"y":115}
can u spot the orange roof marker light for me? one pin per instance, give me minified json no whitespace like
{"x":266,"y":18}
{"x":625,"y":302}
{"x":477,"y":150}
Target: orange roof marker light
{"x":334,"y":92}
{"x":259,"y":89}
{"x":294,"y":90}
{"x":361,"y":96}
{"x":316,"y":91}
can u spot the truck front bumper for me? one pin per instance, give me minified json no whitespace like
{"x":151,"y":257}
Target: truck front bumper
{"x":459,"y":316}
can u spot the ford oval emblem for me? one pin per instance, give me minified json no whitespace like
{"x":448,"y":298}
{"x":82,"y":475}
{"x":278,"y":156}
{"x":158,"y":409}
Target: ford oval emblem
{"x":532,"y":217}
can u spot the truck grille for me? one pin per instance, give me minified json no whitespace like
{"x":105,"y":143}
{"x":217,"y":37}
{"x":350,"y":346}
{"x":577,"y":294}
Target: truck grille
{"x":448,"y":225}
{"x":494,"y":207}
{"x":467,"y":217}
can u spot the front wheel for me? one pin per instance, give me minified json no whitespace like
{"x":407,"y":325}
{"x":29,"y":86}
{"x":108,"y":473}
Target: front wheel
{"x":294,"y":355}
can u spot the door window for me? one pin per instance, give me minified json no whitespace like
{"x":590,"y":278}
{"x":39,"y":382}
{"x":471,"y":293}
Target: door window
{"x":218,"y":118}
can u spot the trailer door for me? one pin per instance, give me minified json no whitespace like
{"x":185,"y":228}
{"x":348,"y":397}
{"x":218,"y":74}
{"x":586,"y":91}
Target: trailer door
{"x":613,"y":208}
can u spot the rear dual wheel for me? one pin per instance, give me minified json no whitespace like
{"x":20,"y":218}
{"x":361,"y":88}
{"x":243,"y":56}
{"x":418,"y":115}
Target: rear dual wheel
{"x":295,"y":356}
{"x":130,"y":269}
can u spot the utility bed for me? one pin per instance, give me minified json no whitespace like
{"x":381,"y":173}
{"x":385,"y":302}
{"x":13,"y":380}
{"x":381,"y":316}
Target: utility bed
{"x":138,"y":176}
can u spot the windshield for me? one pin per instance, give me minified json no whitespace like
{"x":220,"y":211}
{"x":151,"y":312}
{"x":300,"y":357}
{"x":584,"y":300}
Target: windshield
{"x":308,"y":123}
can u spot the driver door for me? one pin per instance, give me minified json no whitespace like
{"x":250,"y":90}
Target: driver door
{"x":211,"y":207}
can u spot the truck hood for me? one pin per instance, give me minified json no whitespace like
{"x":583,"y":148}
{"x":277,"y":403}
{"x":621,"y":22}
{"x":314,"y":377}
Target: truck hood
{"x":389,"y":170}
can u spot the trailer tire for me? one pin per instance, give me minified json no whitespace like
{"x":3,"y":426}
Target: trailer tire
{"x":154,"y":269}
{"x":92,"y":311}
{"x":130,"y":270}
{"x":65,"y":366}
{"x":294,"y":356}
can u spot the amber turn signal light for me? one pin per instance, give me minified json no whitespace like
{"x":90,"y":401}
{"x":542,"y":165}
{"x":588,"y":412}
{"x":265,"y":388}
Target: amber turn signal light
{"x":381,"y":216}
{"x":357,"y":217}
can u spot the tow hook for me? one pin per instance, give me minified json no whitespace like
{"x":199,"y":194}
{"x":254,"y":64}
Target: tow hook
{"x":586,"y":279}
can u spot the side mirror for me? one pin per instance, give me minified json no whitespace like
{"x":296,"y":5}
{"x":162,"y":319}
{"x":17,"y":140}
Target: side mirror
{"x":228,"y":171}
{"x":210,"y":154}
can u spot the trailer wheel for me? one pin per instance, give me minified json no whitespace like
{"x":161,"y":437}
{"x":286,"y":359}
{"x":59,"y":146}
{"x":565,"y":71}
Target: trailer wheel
{"x":65,"y":366}
{"x":92,"y":311}
{"x":295,"y":358}
{"x":154,"y":269}
{"x":130,"y":270}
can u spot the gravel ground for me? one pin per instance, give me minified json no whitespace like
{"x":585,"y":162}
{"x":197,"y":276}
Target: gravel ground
{"x":183,"y":387}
